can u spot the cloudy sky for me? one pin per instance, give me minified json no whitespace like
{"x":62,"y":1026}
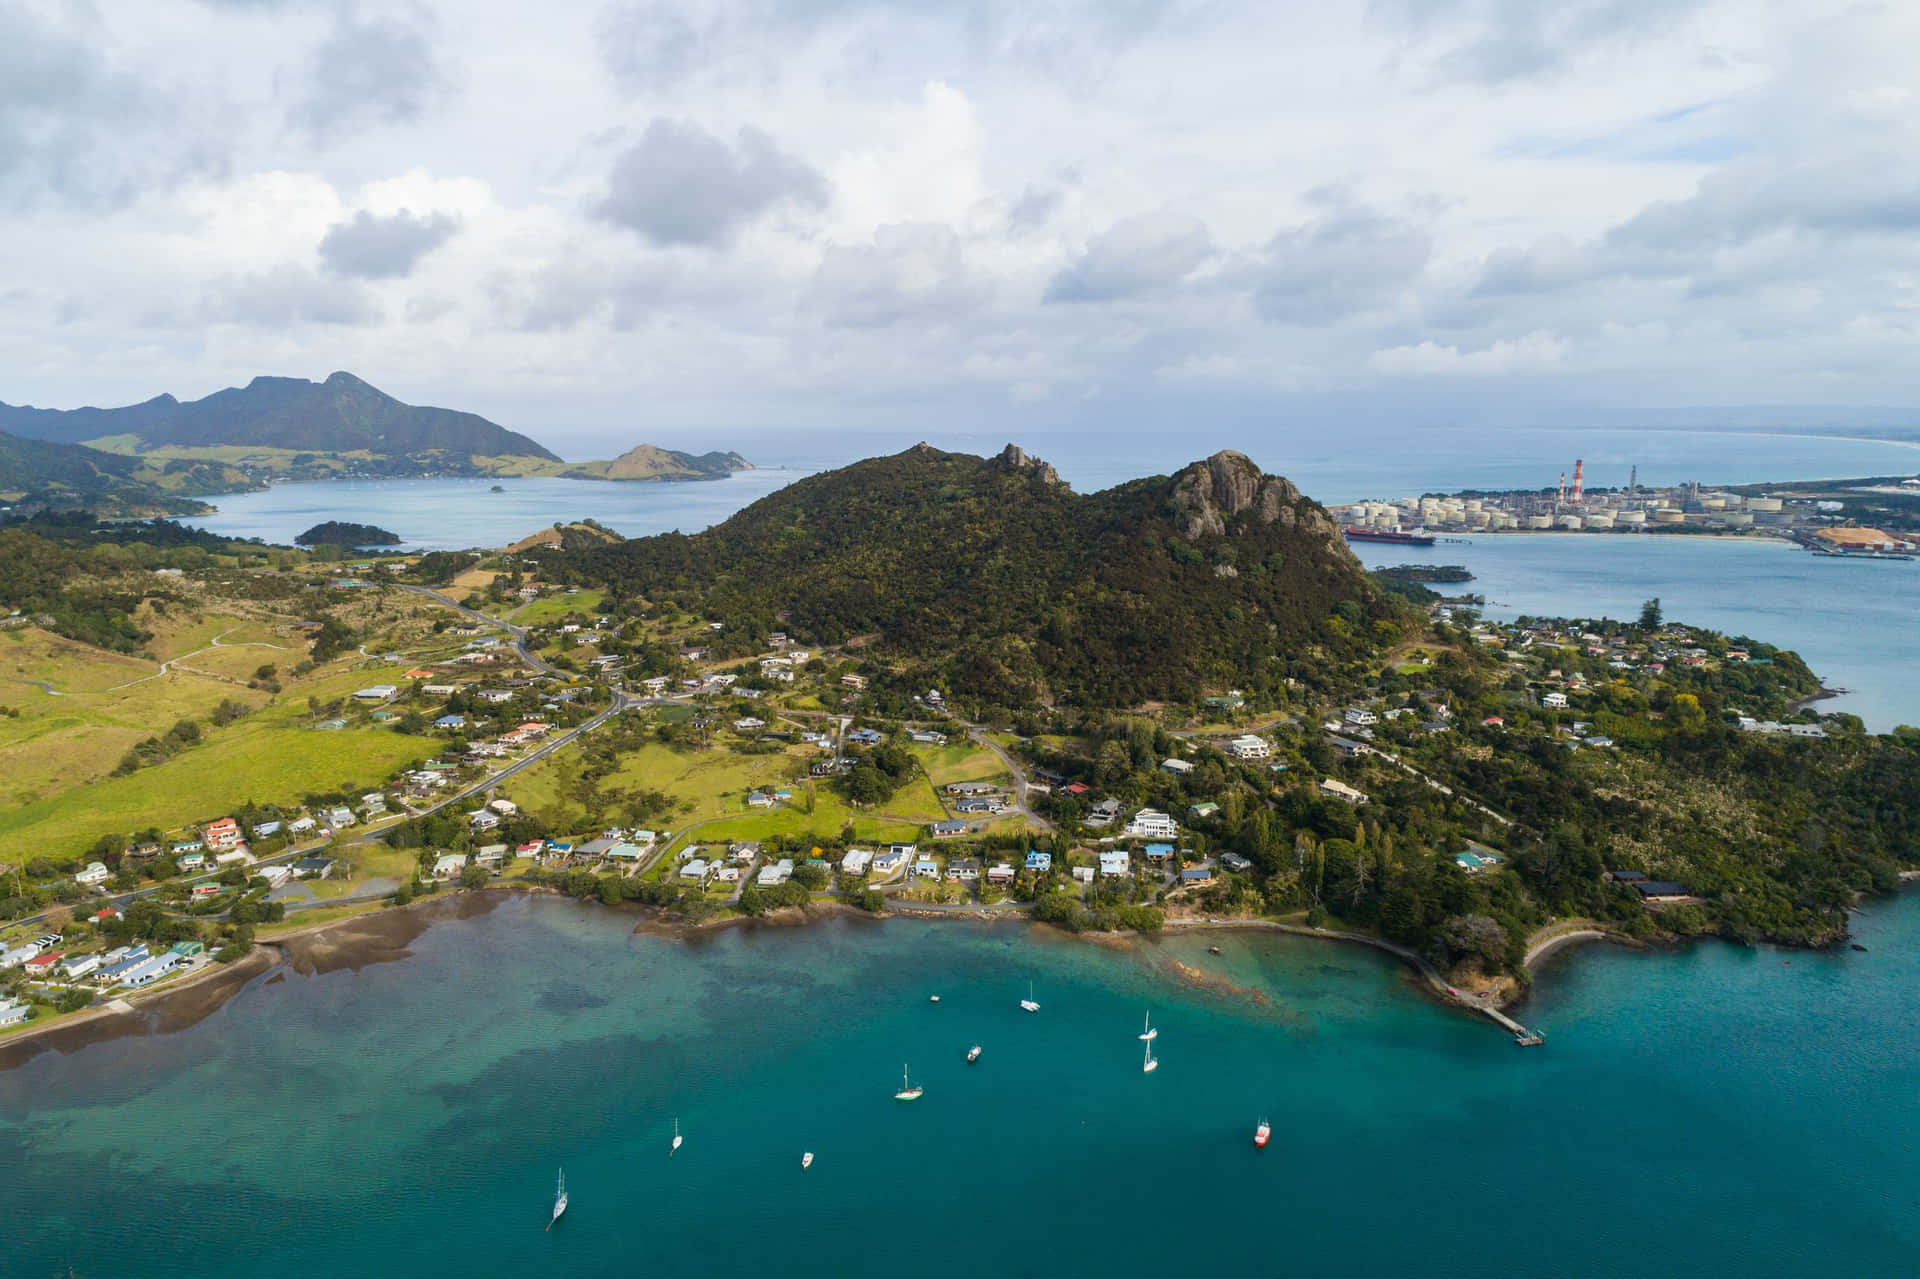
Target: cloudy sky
{"x":605,"y":221}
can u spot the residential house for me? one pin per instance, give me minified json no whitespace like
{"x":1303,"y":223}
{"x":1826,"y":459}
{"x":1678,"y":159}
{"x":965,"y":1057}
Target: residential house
{"x":1151,"y":823}
{"x":886,"y":864}
{"x":778,"y":873}
{"x":1361,"y":717}
{"x":1084,"y":874}
{"x":1104,"y":813}
{"x":1249,"y":746}
{"x":375,"y":693}
{"x":222,"y":834}
{"x":1235,"y":862}
{"x":948,"y":830}
{"x":1038,"y":862}
{"x":1347,"y":748}
{"x":749,"y":724}
{"x":340,"y":817}
{"x":1205,"y":809}
{"x":855,"y":682}
{"x":492,"y":856}
{"x":925,"y":867}
{"x":449,"y":865}
{"x":625,"y":852}
{"x":13,"y":1012}
{"x":190,"y":862}
{"x":927,"y":737}
{"x":483,"y":820}
{"x":1000,"y":873}
{"x":96,"y":873}
{"x":971,"y":788}
{"x":1114,"y":863}
{"x":276,"y":875}
{"x":1157,"y":853}
{"x":695,"y":870}
{"x":1178,"y":767}
{"x":856,"y":861}
{"x":964,"y":870}
{"x":743,"y":852}
{"x":74,"y":967}
{"x":1197,"y":874}
{"x":1554,"y":701}
{"x":314,"y":867}
{"x":1335,"y":789}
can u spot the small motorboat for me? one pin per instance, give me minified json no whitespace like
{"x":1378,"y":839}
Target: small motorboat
{"x":806,"y":1159}
{"x":973,"y":1054}
{"x":1260,"y":1134}
{"x":1213,"y":950}
{"x":933,"y":999}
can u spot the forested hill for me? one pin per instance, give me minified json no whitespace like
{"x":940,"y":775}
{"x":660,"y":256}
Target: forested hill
{"x":340,"y":415}
{"x":60,"y":475}
{"x":994,"y":576}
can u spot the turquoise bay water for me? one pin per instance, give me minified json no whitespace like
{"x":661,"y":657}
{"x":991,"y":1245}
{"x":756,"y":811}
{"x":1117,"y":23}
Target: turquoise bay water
{"x":1710,"y":1111}
{"x":1852,"y":620}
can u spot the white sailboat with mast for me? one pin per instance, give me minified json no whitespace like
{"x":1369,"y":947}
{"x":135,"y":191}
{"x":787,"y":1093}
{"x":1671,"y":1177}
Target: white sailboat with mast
{"x":908,"y":1091}
{"x":674,"y":1149}
{"x":1028,"y":1002}
{"x":1150,"y":1064}
{"x":559,"y":1200}
{"x":1150,"y":1034}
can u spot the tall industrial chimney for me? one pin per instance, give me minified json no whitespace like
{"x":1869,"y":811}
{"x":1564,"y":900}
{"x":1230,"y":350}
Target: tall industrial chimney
{"x":1579,"y":472}
{"x":1562,"y":497}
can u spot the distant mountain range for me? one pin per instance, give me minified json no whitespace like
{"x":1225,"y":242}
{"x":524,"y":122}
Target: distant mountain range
{"x":340,"y":415}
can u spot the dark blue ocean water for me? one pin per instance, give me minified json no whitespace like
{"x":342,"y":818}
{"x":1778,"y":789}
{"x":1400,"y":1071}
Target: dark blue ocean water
{"x":1713,"y":1111}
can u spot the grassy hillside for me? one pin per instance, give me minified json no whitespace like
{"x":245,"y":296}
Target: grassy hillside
{"x":992,"y":575}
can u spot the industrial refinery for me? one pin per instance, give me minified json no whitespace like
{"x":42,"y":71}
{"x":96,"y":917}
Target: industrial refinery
{"x":1568,"y":506}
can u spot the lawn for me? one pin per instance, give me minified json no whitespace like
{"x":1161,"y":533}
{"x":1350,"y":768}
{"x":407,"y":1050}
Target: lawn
{"x":961,"y":761}
{"x":57,"y":755}
{"x":553,"y":608}
{"x":712,"y":786}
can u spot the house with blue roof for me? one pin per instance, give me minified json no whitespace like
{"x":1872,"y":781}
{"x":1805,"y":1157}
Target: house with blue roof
{"x":1039,"y":862}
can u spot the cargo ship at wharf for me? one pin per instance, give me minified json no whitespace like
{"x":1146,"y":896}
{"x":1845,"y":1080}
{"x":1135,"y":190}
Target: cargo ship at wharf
{"x":1395,"y":536}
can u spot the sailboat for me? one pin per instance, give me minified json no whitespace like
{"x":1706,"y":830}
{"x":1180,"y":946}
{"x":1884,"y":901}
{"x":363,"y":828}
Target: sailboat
{"x":675,"y":1147}
{"x":559,"y":1200}
{"x":1150,"y":1034}
{"x":1149,"y":1065}
{"x":908,"y":1091}
{"x":1028,"y":1003}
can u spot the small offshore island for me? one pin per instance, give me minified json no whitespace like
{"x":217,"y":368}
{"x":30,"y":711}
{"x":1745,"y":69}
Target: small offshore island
{"x":923,"y":684}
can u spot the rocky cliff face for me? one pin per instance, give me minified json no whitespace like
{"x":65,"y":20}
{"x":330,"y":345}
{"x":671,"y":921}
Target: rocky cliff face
{"x":1210,"y":494}
{"x":1015,"y":458}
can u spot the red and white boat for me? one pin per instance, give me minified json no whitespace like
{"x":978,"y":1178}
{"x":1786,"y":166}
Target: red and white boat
{"x":1260,"y":1134}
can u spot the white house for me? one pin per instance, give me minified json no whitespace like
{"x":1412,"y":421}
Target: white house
{"x":275,"y":875}
{"x":1178,"y":767}
{"x":1360,"y":716}
{"x":375,"y":693}
{"x":1339,"y":790}
{"x":1115,"y":862}
{"x":1554,"y":701}
{"x":695,"y":870}
{"x":1248,"y":746}
{"x":778,"y":873}
{"x":504,"y":807}
{"x":95,"y":873}
{"x":1151,"y":823}
{"x":856,"y":861}
{"x":449,"y":865}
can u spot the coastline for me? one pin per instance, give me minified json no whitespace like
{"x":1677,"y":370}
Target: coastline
{"x":384,"y":935}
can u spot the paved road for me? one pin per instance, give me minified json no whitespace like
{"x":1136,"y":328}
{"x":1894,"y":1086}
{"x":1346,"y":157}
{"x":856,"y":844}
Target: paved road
{"x":1019,"y":777}
{"x":519,"y":633}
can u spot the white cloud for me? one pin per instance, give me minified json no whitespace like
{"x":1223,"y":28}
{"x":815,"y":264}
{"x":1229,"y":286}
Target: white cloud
{"x":843,"y":211}
{"x":1534,"y":353}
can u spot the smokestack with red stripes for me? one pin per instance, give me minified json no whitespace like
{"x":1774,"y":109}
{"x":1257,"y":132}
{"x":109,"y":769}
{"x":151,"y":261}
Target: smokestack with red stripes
{"x":1579,"y":470}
